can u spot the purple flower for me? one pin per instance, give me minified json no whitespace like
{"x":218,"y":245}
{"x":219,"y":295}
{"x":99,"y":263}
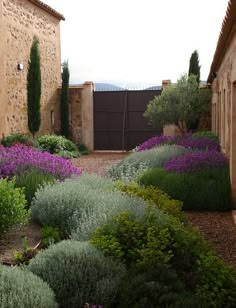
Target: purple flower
{"x":197,"y":161}
{"x":19,"y":158}
{"x":199,"y":143}
{"x":154,"y":142}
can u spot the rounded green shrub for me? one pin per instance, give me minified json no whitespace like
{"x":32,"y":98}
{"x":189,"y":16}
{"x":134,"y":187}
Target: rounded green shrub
{"x":12,"y":205}
{"x":31,"y":180}
{"x":204,"y":190}
{"x":12,"y":139}
{"x":22,"y":289}
{"x":155,"y":287}
{"x":79,"y":273}
{"x":58,"y":145}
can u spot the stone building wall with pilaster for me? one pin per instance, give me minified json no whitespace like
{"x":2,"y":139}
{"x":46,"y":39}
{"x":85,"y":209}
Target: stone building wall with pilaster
{"x":20,"y":21}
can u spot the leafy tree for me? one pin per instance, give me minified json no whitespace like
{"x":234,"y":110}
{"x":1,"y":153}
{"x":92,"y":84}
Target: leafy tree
{"x":65,"y":131}
{"x":194,"y":67}
{"x":34,"y":88}
{"x":179,"y":105}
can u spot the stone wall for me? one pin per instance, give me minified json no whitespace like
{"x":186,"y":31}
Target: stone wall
{"x":224,"y":106}
{"x":20,"y":21}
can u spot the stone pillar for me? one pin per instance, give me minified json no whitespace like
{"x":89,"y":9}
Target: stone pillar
{"x":87,"y":115}
{"x":165,"y":83}
{"x":233,"y":145}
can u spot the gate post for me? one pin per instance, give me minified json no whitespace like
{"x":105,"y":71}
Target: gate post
{"x":87,"y":115}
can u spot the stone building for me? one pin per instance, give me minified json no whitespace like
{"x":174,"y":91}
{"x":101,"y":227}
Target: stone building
{"x":222,"y":78}
{"x":20,"y":21}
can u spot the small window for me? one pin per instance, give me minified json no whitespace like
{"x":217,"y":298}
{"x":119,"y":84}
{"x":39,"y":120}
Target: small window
{"x":52,"y":118}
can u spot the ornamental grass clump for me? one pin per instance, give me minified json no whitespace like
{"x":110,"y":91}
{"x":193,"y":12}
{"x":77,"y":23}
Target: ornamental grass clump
{"x":19,"y":288}
{"x":199,"y":143}
{"x":19,"y":158}
{"x":80,"y":205}
{"x":192,"y":162}
{"x":79,"y":273}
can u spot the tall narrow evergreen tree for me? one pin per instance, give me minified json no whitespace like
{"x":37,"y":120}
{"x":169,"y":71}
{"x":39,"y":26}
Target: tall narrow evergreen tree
{"x":194,"y":67}
{"x":34,"y":88}
{"x":64,"y":100}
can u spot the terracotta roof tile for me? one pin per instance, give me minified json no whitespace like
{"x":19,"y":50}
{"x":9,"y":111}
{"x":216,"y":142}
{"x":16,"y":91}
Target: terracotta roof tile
{"x":227,"y":25}
{"x":48,"y":9}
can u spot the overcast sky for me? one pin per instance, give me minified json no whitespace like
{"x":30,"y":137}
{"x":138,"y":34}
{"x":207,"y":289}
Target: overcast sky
{"x":137,"y":42}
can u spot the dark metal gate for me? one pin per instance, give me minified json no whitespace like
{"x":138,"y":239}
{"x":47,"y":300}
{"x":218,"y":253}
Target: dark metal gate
{"x":119,"y":123}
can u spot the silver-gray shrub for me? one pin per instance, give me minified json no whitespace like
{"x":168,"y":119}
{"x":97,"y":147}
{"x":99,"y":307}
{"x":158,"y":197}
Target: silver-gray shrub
{"x":81,"y":203}
{"x":19,"y":288}
{"x":138,"y":162}
{"x":104,"y":207}
{"x":79,"y":273}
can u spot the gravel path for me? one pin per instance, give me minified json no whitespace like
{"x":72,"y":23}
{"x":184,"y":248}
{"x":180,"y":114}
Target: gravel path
{"x":218,"y":228}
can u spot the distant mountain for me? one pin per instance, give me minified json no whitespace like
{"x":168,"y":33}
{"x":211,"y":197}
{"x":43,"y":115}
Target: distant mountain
{"x":154,"y":88}
{"x":107,"y":87}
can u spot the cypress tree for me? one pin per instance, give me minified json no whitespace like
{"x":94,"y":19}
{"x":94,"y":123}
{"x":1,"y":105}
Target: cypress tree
{"x":64,"y":100}
{"x":194,"y":67}
{"x":34,"y":88}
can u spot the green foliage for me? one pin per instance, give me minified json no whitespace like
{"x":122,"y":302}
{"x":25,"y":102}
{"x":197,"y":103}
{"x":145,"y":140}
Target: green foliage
{"x":64,"y":100}
{"x":20,"y":288}
{"x":80,"y":205}
{"x":206,"y":134}
{"x":27,"y":254}
{"x":31,"y":180}
{"x":194,"y":67}
{"x":204,"y":190}
{"x":50,"y":235}
{"x":83,"y":149}
{"x":155,"y":287}
{"x":154,"y":195}
{"x":79,"y":273}
{"x":137,"y":163}
{"x":34,"y":88}
{"x":8,"y":141}
{"x":216,"y":283}
{"x":180,"y":105}
{"x":58,"y":145}
{"x":12,"y":205}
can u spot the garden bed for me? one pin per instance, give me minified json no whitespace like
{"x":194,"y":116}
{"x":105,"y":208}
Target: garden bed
{"x":217,"y":228}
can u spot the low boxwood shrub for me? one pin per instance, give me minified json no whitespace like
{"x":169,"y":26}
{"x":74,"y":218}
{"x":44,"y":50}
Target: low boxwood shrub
{"x":137,"y":163}
{"x":156,"y":287}
{"x":19,"y":138}
{"x":58,"y":145}
{"x":216,"y":282}
{"x":31,"y":180}
{"x":204,"y":190}
{"x":79,"y":273}
{"x":153,"y":195}
{"x":21,"y":288}
{"x":159,"y":239}
{"x":206,"y":134}
{"x":78,"y":206}
{"x":12,"y":205}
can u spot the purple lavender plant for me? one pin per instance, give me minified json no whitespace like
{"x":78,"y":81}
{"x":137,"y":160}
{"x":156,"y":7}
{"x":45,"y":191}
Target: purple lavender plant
{"x":19,"y":158}
{"x":197,"y":161}
{"x":199,"y":143}
{"x":154,"y":142}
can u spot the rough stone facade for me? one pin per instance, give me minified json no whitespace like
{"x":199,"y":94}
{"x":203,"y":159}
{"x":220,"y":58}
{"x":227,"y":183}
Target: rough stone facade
{"x":20,"y":21}
{"x":223,"y":83}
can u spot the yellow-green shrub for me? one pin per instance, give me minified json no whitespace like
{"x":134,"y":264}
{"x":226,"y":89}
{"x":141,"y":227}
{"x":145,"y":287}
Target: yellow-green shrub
{"x":154,"y":195}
